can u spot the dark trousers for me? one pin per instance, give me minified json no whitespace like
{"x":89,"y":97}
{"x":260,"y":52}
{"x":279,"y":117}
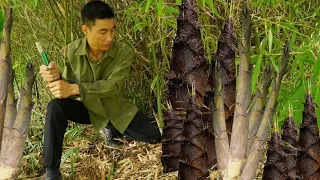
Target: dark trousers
{"x":59,"y":111}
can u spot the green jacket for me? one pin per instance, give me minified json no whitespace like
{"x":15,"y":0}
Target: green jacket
{"x":101,"y":83}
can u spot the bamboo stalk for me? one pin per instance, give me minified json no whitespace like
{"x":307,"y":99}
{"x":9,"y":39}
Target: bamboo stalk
{"x":5,"y":66}
{"x":11,"y":110}
{"x":65,"y":26}
{"x":11,"y":156}
{"x":255,"y":153}
{"x":239,"y":136}
{"x":10,"y":113}
{"x":258,"y":107}
{"x":219,"y":123}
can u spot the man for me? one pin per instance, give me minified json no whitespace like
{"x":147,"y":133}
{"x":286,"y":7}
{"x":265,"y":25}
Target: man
{"x":91,"y":88}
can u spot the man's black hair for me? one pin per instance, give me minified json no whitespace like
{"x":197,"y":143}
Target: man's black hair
{"x":95,"y":10}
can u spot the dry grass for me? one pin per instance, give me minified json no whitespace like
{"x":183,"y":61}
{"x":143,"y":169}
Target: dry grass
{"x":133,"y":160}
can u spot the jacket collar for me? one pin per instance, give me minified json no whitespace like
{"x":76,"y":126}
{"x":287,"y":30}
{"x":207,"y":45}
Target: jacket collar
{"x":83,"y":49}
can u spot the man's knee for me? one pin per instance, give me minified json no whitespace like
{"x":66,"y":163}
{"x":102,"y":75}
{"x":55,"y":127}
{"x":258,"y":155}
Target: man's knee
{"x":55,"y":113}
{"x":54,"y":109}
{"x":54,"y":105}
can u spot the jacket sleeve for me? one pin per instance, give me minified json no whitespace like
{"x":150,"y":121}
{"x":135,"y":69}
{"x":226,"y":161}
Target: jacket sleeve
{"x":68,"y":74}
{"x":112,"y":85}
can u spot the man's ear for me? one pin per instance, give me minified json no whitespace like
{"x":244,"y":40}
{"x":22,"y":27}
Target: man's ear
{"x":85,"y":29}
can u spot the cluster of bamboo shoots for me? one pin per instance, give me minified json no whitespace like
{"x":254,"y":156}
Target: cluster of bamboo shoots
{"x":184,"y":139}
{"x":237,"y":156}
{"x":14,"y":119}
{"x":295,"y":157}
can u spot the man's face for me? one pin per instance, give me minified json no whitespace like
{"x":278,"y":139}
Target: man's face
{"x":101,"y":34}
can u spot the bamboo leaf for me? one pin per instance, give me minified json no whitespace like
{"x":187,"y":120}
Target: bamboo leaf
{"x":300,"y":65}
{"x":293,"y":39}
{"x":317,"y":100}
{"x":155,"y":80}
{"x":274,"y":64}
{"x":14,"y":6}
{"x":270,"y":38}
{"x":2,"y":19}
{"x":262,"y":46}
{"x":111,"y":172}
{"x":170,"y":11}
{"x":316,"y":74}
{"x":139,"y":26}
{"x":160,"y":9}
{"x":147,"y":6}
{"x":72,"y":163}
{"x":317,"y":95}
{"x":178,"y":2}
{"x":202,"y":4}
{"x":256,"y":71}
{"x":170,"y":22}
{"x":212,"y":7}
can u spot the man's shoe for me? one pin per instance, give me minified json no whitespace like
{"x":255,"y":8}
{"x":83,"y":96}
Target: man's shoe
{"x":57,"y":177}
{"x":108,"y":138}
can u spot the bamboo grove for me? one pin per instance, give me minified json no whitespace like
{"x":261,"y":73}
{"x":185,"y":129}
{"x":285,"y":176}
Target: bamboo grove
{"x":215,"y":117}
{"x":186,"y":122}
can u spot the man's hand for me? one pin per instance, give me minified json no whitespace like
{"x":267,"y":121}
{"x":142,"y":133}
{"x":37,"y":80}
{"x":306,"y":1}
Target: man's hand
{"x":61,"y":89}
{"x":50,"y":73}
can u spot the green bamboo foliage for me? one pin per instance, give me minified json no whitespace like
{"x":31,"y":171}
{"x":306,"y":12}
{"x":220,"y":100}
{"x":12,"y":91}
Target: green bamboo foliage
{"x":255,"y":153}
{"x":5,"y":66}
{"x":239,"y":136}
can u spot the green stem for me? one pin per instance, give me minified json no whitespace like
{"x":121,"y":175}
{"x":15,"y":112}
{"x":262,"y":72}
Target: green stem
{"x":253,"y":159}
{"x":158,"y":89}
{"x":258,"y":106}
